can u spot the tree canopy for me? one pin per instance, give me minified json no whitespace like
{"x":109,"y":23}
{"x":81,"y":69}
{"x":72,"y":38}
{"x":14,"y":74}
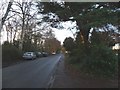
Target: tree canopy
{"x":69,"y":44}
{"x":87,"y":15}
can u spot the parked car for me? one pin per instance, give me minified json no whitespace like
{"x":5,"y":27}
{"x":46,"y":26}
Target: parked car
{"x":29,"y":55}
{"x":44,"y":54}
{"x":53,"y":53}
{"x":38,"y":54}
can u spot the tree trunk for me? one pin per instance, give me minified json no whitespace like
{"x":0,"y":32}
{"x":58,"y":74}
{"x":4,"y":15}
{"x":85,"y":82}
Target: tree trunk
{"x":14,"y":36}
{"x":11,"y":35}
{"x":22,"y":33}
{"x":84,"y":35}
{"x":84,"y":32}
{"x":6,"y":14}
{"x":7,"y":35}
{"x":7,"y":32}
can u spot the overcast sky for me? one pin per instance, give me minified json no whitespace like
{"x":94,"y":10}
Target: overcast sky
{"x":68,"y":31}
{"x":60,"y":34}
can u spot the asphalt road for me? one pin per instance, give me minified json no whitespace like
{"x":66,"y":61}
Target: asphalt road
{"x":30,"y":74}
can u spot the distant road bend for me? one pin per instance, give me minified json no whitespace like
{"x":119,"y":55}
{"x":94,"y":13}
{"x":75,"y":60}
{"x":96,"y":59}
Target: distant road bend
{"x":31,"y":74}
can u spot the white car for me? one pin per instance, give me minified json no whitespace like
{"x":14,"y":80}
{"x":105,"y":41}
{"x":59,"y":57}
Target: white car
{"x":53,"y":53}
{"x":29,"y":55}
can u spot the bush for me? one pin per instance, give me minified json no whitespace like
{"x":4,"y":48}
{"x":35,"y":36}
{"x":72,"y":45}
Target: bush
{"x":10,"y":53}
{"x":103,"y":60}
{"x":99,"y":60}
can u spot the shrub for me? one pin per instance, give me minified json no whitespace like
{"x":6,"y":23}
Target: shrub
{"x":99,"y":60}
{"x":10,"y":53}
{"x":103,"y":60}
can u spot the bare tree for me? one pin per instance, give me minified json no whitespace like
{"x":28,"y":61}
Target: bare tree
{"x":24,"y":12}
{"x":6,"y":13}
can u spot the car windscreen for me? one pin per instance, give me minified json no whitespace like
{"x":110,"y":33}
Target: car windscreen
{"x":28,"y":53}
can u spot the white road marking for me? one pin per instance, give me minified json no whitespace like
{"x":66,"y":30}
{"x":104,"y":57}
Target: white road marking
{"x":52,"y":78}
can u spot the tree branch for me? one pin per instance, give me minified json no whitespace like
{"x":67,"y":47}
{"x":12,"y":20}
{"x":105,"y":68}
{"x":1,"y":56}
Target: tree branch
{"x":6,"y":14}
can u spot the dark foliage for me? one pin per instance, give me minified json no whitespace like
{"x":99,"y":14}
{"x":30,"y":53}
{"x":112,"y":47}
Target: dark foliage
{"x":10,"y":53}
{"x":99,"y":60}
{"x":69,"y":44}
